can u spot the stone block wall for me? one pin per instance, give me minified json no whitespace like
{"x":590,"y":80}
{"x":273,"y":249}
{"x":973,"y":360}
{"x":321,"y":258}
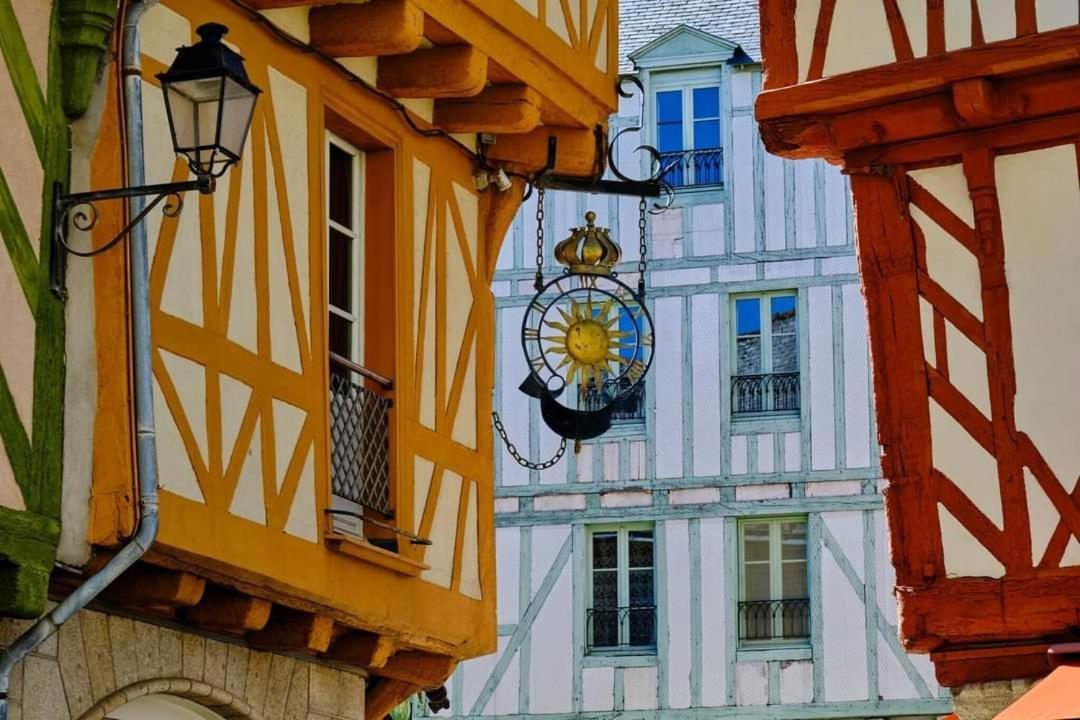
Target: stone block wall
{"x":98,"y":663}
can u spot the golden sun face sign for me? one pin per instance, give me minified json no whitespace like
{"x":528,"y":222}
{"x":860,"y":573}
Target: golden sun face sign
{"x":588,"y":332}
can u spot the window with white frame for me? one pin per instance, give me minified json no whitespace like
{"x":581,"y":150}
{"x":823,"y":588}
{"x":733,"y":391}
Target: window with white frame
{"x":774,"y":605}
{"x":345,"y":235}
{"x":621,"y":612}
{"x":688,"y":132}
{"x":765,"y":353}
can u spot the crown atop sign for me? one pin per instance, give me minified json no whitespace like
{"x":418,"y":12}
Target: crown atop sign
{"x":589,"y":249}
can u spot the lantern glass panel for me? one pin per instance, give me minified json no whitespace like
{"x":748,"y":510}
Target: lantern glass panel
{"x":239,"y":104}
{"x":193,"y":110}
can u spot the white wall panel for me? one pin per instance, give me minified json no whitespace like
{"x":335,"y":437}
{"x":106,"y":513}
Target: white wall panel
{"x":751,"y":683}
{"x":677,"y":558}
{"x":598,"y":689}
{"x":738,"y":455}
{"x":805,"y":204}
{"x":797,"y":682}
{"x":668,"y":365}
{"x":514,"y":405}
{"x":639,"y":688}
{"x":742,"y":195}
{"x":857,"y":399}
{"x":822,"y":421}
{"x":551,"y":641}
{"x":705,"y":355}
{"x":713,"y":597}
{"x":837,"y":204}
{"x":775,"y":207}
{"x":507,"y":559}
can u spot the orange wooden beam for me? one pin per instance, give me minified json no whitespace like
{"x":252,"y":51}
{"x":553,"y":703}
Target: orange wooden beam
{"x":228,"y":611}
{"x":441,"y":72}
{"x":385,"y":695}
{"x":575,"y":151}
{"x":505,"y":109}
{"x":363,"y":649}
{"x":292,"y":631}
{"x":417,"y":667}
{"x":147,"y":586}
{"x":379,"y":27}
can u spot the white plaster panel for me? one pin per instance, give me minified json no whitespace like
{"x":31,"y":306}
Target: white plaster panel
{"x":914,"y":15}
{"x":789,"y":269}
{"x":284,"y":338}
{"x":1052,"y":14}
{"x":677,"y":560}
{"x":843,"y":265}
{"x":859,"y":37}
{"x":425,"y":387}
{"x":668,"y":364}
{"x":741,"y":272}
{"x":857,"y":400}
{"x":458,"y":292}
{"x":713,"y":597}
{"x":708,"y":228}
{"x":957,"y":25}
{"x":844,"y":633}
{"x":464,"y":431}
{"x":965,"y":462}
{"x":600,"y":60}
{"x":244,"y":311}
{"x":667,"y":233}
{"x":628,"y":498}
{"x":189,"y":379}
{"x":772,"y":491}
{"x":837,"y":206}
{"x":506,"y":505}
{"x":585,"y":463}
{"x":176,"y":474}
{"x":705,"y":354}
{"x":161,"y":31}
{"x":470,"y":552}
{"x":474,"y":675}
{"x":559,"y":502}
{"x":926,"y":325}
{"x":513,"y":404}
{"x":611,"y":461}
{"x":738,"y":455}
{"x":17,"y":350}
{"x":744,"y":140}
{"x":822,"y":406}
{"x":998,"y":19}
{"x":507,"y":560}
{"x":792,"y":452}
{"x":833,"y":488}
{"x":775,"y":205}
{"x":949,"y":186}
{"x":967,"y":368}
{"x":248,"y":499}
{"x":805,"y":204}
{"x":765,"y":453}
{"x":423,"y":471}
{"x":556,"y":21}
{"x":502,"y":288}
{"x":639,"y":688}
{"x":694,"y":496}
{"x":893,"y":681}
{"x":303,"y":521}
{"x":1040,"y":214}
{"x":751,"y":683}
{"x":440,"y":554}
{"x":806,"y":17}
{"x":288,"y":422}
{"x":742,"y":89}
{"x":22,"y":167}
{"x":551,"y":642}
{"x":293,"y":21}
{"x":684,"y":276}
{"x":847,"y":529}
{"x":950,"y":264}
{"x":531,"y":6}
{"x":797,"y":681}
{"x":598,"y":689}
{"x":637,"y":460}
{"x":964,"y":555}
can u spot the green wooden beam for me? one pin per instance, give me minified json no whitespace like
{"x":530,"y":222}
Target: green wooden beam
{"x":23,"y":78}
{"x":18,"y":245}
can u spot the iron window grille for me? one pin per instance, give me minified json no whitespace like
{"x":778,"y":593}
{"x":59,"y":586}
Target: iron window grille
{"x":360,"y":435}
{"x":765,"y":393}
{"x":602,"y":627}
{"x":691,"y":168}
{"x":772,"y":620}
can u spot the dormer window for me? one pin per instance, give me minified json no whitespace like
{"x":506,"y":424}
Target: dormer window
{"x":688,"y":135}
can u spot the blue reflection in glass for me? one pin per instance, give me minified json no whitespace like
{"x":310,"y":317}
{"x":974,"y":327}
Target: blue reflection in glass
{"x":748,"y":316}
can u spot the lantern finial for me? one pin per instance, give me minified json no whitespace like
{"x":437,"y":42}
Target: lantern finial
{"x":589,"y":250}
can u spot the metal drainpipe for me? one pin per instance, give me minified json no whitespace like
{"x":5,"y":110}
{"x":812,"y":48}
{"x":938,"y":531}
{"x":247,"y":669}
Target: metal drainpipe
{"x":145,"y":453}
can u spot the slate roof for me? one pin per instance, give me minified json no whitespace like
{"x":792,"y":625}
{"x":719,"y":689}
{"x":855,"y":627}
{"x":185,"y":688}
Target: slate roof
{"x":642,"y":21}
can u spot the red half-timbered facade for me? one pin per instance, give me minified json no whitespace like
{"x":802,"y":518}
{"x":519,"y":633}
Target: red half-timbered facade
{"x":959,"y":124}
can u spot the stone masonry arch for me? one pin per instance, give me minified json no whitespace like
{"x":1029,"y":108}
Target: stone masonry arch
{"x":219,"y":701}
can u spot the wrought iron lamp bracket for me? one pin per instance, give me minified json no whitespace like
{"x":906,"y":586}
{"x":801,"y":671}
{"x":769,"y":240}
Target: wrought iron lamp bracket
{"x":81,"y":209}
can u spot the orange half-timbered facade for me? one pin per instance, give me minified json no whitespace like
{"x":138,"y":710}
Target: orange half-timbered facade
{"x":959,"y":124}
{"x":323,"y":329}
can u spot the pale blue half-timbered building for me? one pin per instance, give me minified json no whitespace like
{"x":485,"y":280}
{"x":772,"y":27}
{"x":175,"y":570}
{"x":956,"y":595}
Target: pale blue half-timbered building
{"x":722,"y":551}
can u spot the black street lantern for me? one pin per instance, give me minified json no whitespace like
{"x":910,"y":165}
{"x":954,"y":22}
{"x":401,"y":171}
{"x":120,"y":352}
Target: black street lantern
{"x":209,"y":101}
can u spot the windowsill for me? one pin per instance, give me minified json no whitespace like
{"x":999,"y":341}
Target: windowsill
{"x":631,"y":657}
{"x":360,"y":549}
{"x":762,"y":653}
{"x":776,"y":421}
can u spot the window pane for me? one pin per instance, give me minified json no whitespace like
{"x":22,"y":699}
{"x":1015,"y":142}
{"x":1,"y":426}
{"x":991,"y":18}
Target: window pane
{"x":783,"y":314}
{"x":341,"y":275}
{"x":628,"y":324}
{"x":643,"y":627}
{"x":706,"y":102}
{"x":605,"y":552}
{"x":755,"y":541}
{"x":340,"y":190}
{"x":605,"y":589}
{"x":604,"y":628}
{"x":641,"y":548}
{"x":785,"y":354}
{"x":748,"y":316}
{"x":669,"y":106}
{"x":340,"y":336}
{"x":641,"y":588}
{"x":706,"y":134}
{"x":758,"y":585}
{"x":793,"y":578}
{"x":793,"y":540}
{"x":748,"y":352}
{"x":669,"y":137}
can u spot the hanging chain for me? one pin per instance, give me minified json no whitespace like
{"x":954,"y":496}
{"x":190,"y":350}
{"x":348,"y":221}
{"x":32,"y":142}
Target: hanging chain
{"x":641,"y":250}
{"x":539,"y":282}
{"x":521,"y":460}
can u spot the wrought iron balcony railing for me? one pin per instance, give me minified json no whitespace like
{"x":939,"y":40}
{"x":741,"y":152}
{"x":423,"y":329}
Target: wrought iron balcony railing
{"x":360,"y":435}
{"x":774,"y":619}
{"x":628,"y":408}
{"x":772,"y":393}
{"x":621,"y":627}
{"x":686,"y":168}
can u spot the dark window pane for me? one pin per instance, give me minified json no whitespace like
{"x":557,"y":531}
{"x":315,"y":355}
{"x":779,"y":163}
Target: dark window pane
{"x":706,"y":134}
{"x":669,"y":106}
{"x":641,"y":588}
{"x":785,"y":355}
{"x":340,"y":187}
{"x":605,"y":589}
{"x":643,"y":627}
{"x":793,"y":579}
{"x":756,"y":541}
{"x":748,"y":355}
{"x":758,"y":585}
{"x":793,"y":540}
{"x":748,"y":316}
{"x":706,"y":102}
{"x":604,"y":628}
{"x":641,"y":548}
{"x":605,"y":550}
{"x":669,"y":137}
{"x":340,"y":336}
{"x":341,"y":267}
{"x":783,"y":314}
